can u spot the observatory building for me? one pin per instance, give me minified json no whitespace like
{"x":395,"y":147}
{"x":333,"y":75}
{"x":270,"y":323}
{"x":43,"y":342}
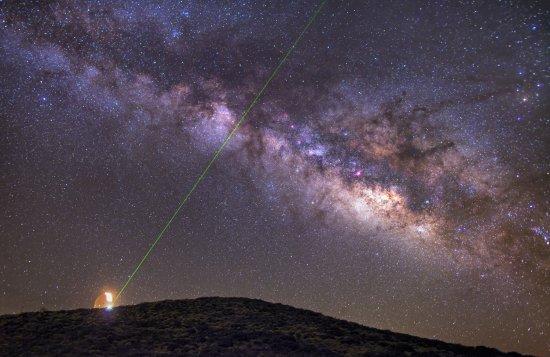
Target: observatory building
{"x":105,"y":300}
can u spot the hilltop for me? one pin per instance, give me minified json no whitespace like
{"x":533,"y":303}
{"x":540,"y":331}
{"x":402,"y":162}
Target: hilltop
{"x":210,"y":326}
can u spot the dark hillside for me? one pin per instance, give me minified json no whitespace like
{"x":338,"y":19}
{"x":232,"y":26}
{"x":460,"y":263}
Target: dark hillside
{"x":209,"y":326}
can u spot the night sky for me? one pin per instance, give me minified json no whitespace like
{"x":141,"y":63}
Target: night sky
{"x":395,"y":173}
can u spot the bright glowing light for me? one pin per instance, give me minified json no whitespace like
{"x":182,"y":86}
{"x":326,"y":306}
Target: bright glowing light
{"x":109,"y":299}
{"x":105,"y":300}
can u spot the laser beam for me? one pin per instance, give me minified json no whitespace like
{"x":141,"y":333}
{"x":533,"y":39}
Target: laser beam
{"x":222,"y":146}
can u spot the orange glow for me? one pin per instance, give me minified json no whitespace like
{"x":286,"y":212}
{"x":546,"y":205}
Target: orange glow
{"x":104,"y":300}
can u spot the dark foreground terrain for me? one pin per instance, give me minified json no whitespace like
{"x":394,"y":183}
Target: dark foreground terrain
{"x":209,"y":326}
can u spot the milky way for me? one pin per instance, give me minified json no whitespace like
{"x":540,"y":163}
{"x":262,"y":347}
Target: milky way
{"x":395,"y":172}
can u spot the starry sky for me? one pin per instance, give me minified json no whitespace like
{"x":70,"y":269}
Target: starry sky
{"x":395,"y":173}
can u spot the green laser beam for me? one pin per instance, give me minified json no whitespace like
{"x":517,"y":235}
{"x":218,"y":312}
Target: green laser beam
{"x":222,"y":146}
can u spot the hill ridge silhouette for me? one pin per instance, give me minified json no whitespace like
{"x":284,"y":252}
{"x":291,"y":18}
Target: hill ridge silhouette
{"x":227,"y":326}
